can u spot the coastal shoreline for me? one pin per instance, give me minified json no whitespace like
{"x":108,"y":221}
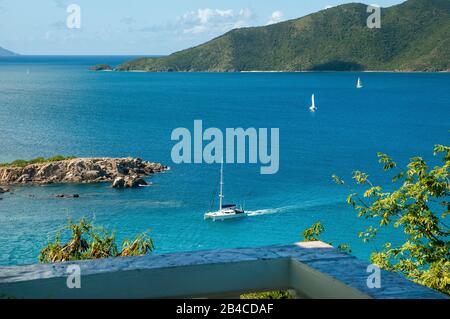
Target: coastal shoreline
{"x":123,"y":172}
{"x":278,"y":71}
{"x":222,"y":72}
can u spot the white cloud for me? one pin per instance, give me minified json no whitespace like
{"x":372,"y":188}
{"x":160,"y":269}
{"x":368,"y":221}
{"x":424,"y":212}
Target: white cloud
{"x":275,"y":17}
{"x":214,"y":20}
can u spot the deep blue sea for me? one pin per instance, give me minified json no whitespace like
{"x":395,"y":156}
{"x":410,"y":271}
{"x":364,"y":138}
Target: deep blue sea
{"x":54,"y":105}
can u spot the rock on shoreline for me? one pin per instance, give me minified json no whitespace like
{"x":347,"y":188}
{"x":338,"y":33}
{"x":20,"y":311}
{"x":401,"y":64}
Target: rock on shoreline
{"x":3,"y":190}
{"x":81,"y":170}
{"x":101,"y":67}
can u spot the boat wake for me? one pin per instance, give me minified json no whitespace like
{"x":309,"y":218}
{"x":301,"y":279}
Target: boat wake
{"x":268,"y":211}
{"x":306,"y":205}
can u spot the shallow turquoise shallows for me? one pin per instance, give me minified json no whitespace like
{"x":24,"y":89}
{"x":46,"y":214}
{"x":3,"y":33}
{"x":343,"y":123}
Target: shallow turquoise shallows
{"x":54,"y":105}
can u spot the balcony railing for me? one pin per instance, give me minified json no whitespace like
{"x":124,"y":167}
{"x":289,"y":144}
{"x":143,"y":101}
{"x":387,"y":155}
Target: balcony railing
{"x":312,"y":269}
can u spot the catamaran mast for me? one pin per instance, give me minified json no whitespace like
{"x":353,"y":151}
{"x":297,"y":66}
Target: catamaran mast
{"x":221,"y":187}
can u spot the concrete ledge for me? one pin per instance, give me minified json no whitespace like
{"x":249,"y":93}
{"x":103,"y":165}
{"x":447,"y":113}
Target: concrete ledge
{"x":313,"y":269}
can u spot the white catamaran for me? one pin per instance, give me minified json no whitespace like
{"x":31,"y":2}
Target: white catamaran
{"x":359,"y":84}
{"x":225,"y":211}
{"x":313,"y":107}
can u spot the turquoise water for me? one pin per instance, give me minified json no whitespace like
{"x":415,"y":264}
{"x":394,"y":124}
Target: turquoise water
{"x":61,"y":108}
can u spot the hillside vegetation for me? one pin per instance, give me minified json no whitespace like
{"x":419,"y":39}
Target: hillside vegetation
{"x":414,"y":36}
{"x":37,"y":160}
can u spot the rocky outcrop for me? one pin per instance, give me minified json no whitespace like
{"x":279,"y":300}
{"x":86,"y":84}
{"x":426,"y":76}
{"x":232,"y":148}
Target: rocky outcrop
{"x":3,"y":190}
{"x":101,"y":67}
{"x":82,"y":170}
{"x":67,"y":196}
{"x":129,"y":182}
{"x":119,"y":182}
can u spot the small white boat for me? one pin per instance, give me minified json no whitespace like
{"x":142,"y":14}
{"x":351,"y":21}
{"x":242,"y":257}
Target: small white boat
{"x":359,"y":84}
{"x":313,"y":107}
{"x":225,"y":211}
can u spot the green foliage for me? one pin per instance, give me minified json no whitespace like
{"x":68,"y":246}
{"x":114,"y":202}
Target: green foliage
{"x":419,"y":207}
{"x":313,"y":233}
{"x":337,"y":180}
{"x":414,"y":35}
{"x":279,"y":294}
{"x":89,"y":242}
{"x":345,"y":248}
{"x":38,"y":160}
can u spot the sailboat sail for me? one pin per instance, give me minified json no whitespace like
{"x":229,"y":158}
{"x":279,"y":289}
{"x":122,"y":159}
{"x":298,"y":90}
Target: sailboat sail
{"x":313,"y":104}
{"x":359,"y":84}
{"x":221,"y":187}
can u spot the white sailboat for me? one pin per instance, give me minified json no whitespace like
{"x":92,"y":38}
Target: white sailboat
{"x":313,"y":107}
{"x":225,"y":211}
{"x":359,"y":84}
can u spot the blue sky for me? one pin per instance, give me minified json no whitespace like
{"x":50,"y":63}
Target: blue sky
{"x":139,"y":26}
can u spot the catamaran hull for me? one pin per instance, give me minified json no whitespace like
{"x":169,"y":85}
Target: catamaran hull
{"x":218,"y":216}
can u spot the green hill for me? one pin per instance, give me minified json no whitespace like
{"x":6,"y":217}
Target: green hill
{"x":4,"y":52}
{"x":414,"y":36}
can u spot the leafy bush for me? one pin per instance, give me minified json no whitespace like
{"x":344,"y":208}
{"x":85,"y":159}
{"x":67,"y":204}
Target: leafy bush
{"x":89,"y":242}
{"x":279,"y":294}
{"x":419,"y":207}
{"x":313,"y":233}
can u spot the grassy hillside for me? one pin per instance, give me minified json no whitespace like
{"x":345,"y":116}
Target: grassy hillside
{"x":38,"y":160}
{"x":414,"y":35}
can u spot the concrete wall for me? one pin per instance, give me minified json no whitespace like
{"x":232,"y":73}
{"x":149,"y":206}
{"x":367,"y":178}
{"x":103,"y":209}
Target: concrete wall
{"x":314,"y":270}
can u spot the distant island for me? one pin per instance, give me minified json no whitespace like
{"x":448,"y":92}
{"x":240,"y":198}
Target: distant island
{"x":414,"y":36}
{"x":122,"y":172}
{"x":4,"y":52}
